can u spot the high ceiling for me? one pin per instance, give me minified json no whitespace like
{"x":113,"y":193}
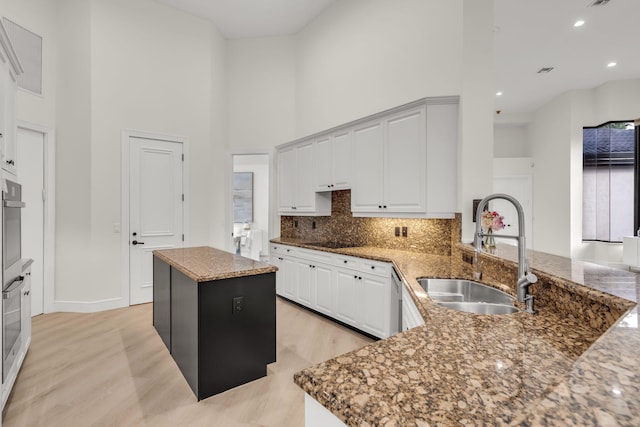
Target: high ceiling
{"x":254,"y":18}
{"x":529,"y":35}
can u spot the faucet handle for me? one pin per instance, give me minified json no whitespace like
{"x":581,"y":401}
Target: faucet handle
{"x":531,"y":278}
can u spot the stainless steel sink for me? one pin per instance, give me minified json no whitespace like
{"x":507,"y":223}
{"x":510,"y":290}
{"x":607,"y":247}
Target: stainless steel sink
{"x":468,"y":296}
{"x":480,"y":307}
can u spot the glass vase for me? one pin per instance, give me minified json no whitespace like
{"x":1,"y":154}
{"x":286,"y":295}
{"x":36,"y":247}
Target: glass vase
{"x":489,"y":241}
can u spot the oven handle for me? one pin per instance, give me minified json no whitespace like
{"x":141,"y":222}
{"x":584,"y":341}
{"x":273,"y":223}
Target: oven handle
{"x":13,"y":204}
{"x":13,"y":288}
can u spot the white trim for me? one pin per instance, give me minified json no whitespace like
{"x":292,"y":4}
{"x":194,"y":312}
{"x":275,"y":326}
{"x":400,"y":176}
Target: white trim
{"x":435,"y":100}
{"x":90,"y":306}
{"x":126,"y":134}
{"x":48,"y":267}
{"x":229,"y":191}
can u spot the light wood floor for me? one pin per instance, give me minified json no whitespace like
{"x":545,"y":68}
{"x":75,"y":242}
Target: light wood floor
{"x":112,"y":369}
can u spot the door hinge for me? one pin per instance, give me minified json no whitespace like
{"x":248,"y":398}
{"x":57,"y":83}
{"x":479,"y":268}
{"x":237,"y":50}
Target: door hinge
{"x":183,"y":237}
{"x":183,"y":197}
{"x":183,"y":157}
{"x":44,"y":195}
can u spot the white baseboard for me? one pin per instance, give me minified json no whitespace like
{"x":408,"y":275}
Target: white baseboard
{"x":89,"y":306}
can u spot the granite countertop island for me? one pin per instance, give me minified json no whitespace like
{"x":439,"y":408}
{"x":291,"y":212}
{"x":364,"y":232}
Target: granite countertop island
{"x":519,"y":369}
{"x":216,"y":313}
{"x":204,"y":263}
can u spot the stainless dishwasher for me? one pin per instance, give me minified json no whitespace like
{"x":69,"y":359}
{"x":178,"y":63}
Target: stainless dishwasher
{"x":396,"y":302}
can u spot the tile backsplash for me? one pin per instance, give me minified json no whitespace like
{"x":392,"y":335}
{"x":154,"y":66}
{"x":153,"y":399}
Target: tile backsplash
{"x":432,"y":236}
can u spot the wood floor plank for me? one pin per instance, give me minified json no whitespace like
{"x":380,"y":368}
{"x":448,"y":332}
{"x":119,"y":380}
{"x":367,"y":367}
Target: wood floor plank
{"x":112,"y":369}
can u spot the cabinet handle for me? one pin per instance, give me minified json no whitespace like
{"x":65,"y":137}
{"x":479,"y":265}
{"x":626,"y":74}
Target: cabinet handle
{"x":345,"y":261}
{"x":328,"y":186}
{"x":280,"y":258}
{"x":373,"y":267}
{"x":355,"y":277}
{"x":359,"y":278}
{"x":385,"y":206}
{"x":379,"y":206}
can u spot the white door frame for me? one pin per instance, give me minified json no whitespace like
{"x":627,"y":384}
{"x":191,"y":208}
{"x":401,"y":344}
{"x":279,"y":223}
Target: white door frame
{"x":125,"y":227}
{"x":229,"y":193}
{"x":48,"y":267}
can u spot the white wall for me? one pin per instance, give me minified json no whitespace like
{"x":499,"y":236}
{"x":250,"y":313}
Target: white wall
{"x":509,"y":142}
{"x":475,"y":169}
{"x":38,"y":16}
{"x":150,"y":71}
{"x":144,"y":66}
{"x":360,"y":57}
{"x":555,"y":140}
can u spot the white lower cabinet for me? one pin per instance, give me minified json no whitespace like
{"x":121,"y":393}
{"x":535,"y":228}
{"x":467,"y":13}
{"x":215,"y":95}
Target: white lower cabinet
{"x":346,"y":291}
{"x":375,"y":304}
{"x":316,"y":415}
{"x":352,"y":290}
{"x":323,"y":290}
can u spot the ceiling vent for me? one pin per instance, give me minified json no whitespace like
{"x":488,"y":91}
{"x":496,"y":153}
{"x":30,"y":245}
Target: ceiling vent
{"x":545,"y":70}
{"x":599,"y":2}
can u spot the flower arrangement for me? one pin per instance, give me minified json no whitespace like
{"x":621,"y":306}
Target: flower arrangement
{"x":492,"y":221}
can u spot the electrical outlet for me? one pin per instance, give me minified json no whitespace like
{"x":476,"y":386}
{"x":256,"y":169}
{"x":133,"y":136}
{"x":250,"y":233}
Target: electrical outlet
{"x":467,"y":258}
{"x":397,"y":231}
{"x":237,"y":305}
{"x":404,"y":231}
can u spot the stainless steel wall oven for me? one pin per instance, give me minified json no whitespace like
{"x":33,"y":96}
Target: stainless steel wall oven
{"x":12,"y":281}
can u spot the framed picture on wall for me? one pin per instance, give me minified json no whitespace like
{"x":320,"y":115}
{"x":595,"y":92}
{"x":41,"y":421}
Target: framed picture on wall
{"x":243,"y":197}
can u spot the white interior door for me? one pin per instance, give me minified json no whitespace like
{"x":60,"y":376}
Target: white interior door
{"x":520,"y":187}
{"x":156,"y":209}
{"x":31,"y":176}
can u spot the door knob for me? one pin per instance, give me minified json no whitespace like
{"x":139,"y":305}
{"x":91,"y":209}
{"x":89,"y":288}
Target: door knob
{"x":135,"y":242}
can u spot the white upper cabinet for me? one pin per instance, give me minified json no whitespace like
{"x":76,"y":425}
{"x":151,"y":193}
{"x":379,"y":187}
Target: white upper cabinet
{"x":296,"y":182}
{"x":389,"y":164}
{"x":333,"y":158}
{"x":9,"y":70}
{"x":398,"y":163}
{"x":367,"y":175}
{"x":442,"y":158}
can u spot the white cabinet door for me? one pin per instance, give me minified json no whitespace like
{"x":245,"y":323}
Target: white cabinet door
{"x":26,"y":312}
{"x":323,"y":289}
{"x":368,"y":161}
{"x":442,"y":158}
{"x":289,"y":278}
{"x":346,"y":295}
{"x":276,"y":261}
{"x":10,"y":128}
{"x":286,"y":179}
{"x":324,"y":171}
{"x":304,"y":179}
{"x":375,"y":304}
{"x":304,"y":279}
{"x":404,"y":161}
{"x":341,"y":160}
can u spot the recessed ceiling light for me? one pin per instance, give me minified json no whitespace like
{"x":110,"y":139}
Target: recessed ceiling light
{"x":579,"y":23}
{"x":611,"y":64}
{"x":498,"y":93}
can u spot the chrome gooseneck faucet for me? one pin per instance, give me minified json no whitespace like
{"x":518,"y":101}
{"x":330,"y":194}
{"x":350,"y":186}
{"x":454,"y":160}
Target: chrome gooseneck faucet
{"x":525,"y":277}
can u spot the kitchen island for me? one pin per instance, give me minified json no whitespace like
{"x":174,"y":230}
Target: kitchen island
{"x":574,"y":363}
{"x":215,"y":312}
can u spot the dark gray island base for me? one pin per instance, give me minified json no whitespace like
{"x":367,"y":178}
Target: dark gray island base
{"x":216,"y":313}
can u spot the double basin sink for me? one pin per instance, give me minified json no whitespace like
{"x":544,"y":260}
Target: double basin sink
{"x":468,"y":296}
